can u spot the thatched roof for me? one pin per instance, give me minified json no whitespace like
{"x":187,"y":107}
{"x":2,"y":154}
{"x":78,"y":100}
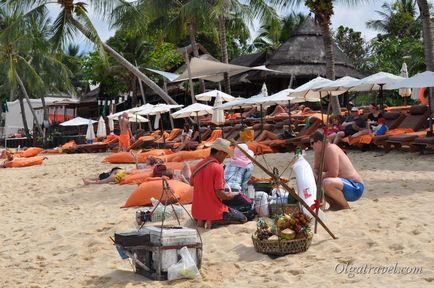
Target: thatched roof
{"x":303,"y":56}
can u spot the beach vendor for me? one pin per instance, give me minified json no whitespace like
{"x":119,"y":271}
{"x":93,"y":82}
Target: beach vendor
{"x":239,"y":170}
{"x":209,"y":189}
{"x":341,"y":182}
{"x":126,"y":134}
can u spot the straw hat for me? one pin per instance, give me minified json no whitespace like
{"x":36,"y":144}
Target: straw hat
{"x":222,"y":145}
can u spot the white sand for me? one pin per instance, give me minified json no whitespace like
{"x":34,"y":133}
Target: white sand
{"x":55,"y":231}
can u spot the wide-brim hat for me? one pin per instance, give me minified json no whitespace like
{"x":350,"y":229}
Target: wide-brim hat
{"x":222,"y":145}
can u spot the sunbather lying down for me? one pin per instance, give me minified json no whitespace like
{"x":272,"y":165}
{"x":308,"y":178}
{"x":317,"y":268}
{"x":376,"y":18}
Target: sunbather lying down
{"x":116,"y":174}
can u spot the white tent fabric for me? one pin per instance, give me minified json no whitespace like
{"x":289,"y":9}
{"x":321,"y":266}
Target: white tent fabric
{"x":196,"y":109}
{"x":169,"y":76}
{"x":207,"y":96}
{"x":90,"y":133}
{"x":101,"y":132}
{"x":282,"y":97}
{"x":404,"y":92}
{"x":77,"y":121}
{"x":131,"y":117}
{"x":218,"y":116}
{"x":309,"y":91}
{"x":143,"y":108}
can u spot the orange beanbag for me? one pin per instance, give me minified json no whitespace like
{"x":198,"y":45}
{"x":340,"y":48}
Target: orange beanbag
{"x":154,"y":152}
{"x":153,"y":189}
{"x":29,"y":152}
{"x":137,"y":178}
{"x":182,"y":156}
{"x":119,"y":157}
{"x":259,"y":148}
{"x":25,"y":162}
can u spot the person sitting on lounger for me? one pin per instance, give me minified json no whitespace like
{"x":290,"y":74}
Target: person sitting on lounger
{"x":341,"y":182}
{"x":252,"y":113}
{"x":336,"y":127}
{"x":354,"y":126}
{"x":278,"y":111}
{"x":267,"y":135}
{"x":188,"y":136}
{"x":379,"y":129}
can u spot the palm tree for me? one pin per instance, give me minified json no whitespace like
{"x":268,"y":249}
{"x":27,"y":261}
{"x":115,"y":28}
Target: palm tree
{"x":248,"y":10}
{"x":73,"y":16}
{"x":323,"y":11}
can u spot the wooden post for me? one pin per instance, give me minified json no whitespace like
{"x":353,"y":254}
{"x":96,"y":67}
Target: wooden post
{"x":286,"y":187}
{"x":190,"y":80}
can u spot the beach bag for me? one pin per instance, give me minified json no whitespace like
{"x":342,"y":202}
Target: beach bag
{"x":247,"y":135}
{"x":243,"y":204}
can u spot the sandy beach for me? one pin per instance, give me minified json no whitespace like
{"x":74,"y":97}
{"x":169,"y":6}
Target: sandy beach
{"x":55,"y":231}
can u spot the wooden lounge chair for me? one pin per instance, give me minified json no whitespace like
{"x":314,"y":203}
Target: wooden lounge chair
{"x":422,"y":144}
{"x":87,"y":148}
{"x":402,"y":141}
{"x":413,"y":122}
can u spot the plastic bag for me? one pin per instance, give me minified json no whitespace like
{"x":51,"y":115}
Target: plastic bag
{"x":185,"y":268}
{"x":261,"y":204}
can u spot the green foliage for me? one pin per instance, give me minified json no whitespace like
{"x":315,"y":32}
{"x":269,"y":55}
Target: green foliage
{"x":353,"y":45}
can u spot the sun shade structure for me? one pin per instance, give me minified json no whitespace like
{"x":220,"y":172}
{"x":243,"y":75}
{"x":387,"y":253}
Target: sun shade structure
{"x":90,"y":133}
{"x":196,"y":109}
{"x":77,"y":121}
{"x":218,"y":116}
{"x":131,"y":117}
{"x":207,"y":96}
{"x":424,"y":79}
{"x":101,"y":132}
{"x":310,"y":90}
{"x":342,"y":84}
{"x":377,"y":82}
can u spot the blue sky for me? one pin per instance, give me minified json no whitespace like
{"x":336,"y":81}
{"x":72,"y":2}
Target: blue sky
{"x":351,"y":16}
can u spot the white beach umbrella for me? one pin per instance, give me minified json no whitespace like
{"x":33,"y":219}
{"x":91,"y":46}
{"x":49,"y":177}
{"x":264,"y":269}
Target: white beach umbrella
{"x":404,"y":92}
{"x":309,"y":91}
{"x":377,"y":82}
{"x":424,"y":79}
{"x":207,"y":96}
{"x":196,"y":109}
{"x":77,"y":121}
{"x":234,"y":104}
{"x":90,"y":133}
{"x":341,"y":84}
{"x":142,"y":110}
{"x":111,"y":123}
{"x":218,"y":116}
{"x":131,"y":117}
{"x":101,"y":132}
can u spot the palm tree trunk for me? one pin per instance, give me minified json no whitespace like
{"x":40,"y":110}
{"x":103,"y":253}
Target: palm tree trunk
{"x":192,"y":34}
{"x":427,"y":34}
{"x":224,"y":47}
{"x":427,"y":41}
{"x":124,"y":62}
{"x":44,"y":107}
{"x":330,"y":63}
{"x":23,"y":115}
{"x":23,"y":89}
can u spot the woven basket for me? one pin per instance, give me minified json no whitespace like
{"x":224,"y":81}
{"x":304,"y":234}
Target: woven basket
{"x":280,"y":209}
{"x":282,"y":247}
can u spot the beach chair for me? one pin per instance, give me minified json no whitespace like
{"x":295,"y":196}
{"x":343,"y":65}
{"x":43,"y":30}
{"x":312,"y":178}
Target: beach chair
{"x":414,"y":121}
{"x":217,"y":133}
{"x":300,"y":139}
{"x":87,"y":148}
{"x":146,"y":140}
{"x":422,"y":144}
{"x":402,"y":141}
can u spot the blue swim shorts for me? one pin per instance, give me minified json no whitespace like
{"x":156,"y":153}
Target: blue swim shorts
{"x":352,"y":190}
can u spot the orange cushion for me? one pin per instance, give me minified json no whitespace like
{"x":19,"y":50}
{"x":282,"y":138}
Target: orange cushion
{"x":143,"y":194}
{"x":25,"y":162}
{"x":136,"y":178}
{"x":182,"y":156}
{"x":398,"y":131}
{"x":363,"y":139}
{"x":120,"y":157}
{"x":259,"y":148}
{"x":30,"y":152}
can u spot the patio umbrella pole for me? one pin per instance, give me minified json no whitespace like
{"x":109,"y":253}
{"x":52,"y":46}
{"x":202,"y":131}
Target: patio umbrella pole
{"x":198,"y":125}
{"x":430,"y":132}
{"x":190,"y":81}
{"x":286,"y":187}
{"x":242,"y":118}
{"x":319,"y":195}
{"x":289,"y":116}
{"x":381,"y":96}
{"x":262,"y":119}
{"x":162,"y":129}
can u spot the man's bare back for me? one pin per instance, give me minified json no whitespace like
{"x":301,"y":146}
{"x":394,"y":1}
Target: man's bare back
{"x":337,"y":164}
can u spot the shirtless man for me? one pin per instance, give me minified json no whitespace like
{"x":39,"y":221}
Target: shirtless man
{"x":126,"y":134}
{"x":341,"y":182}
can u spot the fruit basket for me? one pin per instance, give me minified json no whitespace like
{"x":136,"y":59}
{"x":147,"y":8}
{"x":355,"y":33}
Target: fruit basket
{"x":288,"y":234}
{"x":282,"y":247}
{"x":284,"y":208}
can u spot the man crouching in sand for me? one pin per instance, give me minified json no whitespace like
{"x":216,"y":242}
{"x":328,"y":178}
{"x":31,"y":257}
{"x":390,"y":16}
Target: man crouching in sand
{"x":209,"y":189}
{"x":341,"y":181}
